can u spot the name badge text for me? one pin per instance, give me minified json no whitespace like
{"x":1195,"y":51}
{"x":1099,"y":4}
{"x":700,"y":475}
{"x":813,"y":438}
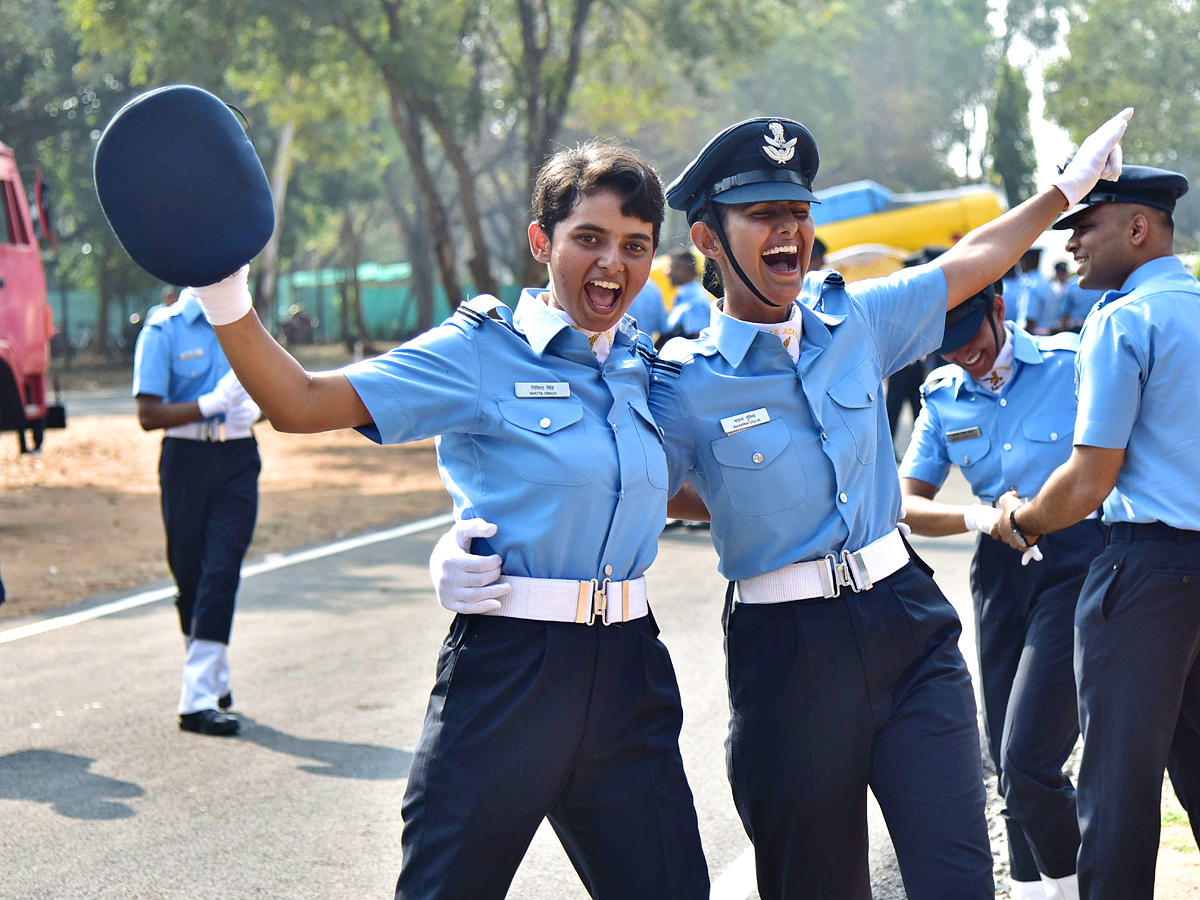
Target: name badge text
{"x":745,"y":420}
{"x":963,"y":434}
{"x":527,"y":390}
{"x":191,"y":354}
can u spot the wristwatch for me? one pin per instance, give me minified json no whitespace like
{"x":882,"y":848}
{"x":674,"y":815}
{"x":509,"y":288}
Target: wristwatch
{"x":1017,"y":532}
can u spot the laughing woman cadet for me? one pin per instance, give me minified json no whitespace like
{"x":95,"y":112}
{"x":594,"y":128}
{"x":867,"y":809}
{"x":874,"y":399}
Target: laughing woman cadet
{"x":561,"y":703}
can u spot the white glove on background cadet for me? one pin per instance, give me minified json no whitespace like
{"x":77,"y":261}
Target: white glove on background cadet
{"x":227,"y":300}
{"x":464,"y":582}
{"x":1099,"y":156}
{"x":244,"y":413}
{"x":227,"y":392}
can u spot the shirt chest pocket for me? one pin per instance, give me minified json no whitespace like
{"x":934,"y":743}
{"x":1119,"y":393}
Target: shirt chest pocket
{"x":1056,"y":429}
{"x":969,"y":452}
{"x":761,"y":469}
{"x":855,"y":397}
{"x":652,"y":442}
{"x":192,"y":363}
{"x":549,"y":441}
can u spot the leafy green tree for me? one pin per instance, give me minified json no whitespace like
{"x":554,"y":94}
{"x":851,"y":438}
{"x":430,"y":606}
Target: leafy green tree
{"x":1123,"y":53}
{"x":1010,"y":140}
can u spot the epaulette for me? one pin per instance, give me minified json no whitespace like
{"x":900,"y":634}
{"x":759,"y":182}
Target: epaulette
{"x":645,"y":349}
{"x":1064,"y":340}
{"x":485,"y":306}
{"x":942,"y":376}
{"x":672,"y":357}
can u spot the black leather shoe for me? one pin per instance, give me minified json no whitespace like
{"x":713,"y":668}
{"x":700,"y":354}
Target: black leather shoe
{"x":209,"y":721}
{"x":226,"y":700}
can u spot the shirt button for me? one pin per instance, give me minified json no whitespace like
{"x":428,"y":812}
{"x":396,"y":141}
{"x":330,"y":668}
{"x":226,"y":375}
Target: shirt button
{"x":1054,"y":435}
{"x":758,"y":457}
{"x":1008,"y":446}
{"x":870,"y":397}
{"x":608,"y":570}
{"x":966,"y":460}
{"x":842,"y":496}
{"x":545,"y":423}
{"x":1003,"y":402}
{"x":824,"y":436}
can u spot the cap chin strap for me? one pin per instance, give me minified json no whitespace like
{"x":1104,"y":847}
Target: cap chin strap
{"x":991,"y":320}
{"x":718,"y":226}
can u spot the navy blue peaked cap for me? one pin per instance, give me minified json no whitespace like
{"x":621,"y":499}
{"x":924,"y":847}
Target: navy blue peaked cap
{"x":759,"y":159}
{"x":182,"y":187}
{"x":964,"y":321}
{"x":1146,"y":185}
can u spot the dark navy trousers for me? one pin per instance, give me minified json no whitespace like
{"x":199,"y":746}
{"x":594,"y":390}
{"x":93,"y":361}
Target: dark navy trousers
{"x":1136,"y":663}
{"x":829,"y":697}
{"x":531,"y":720}
{"x":1025,"y":633}
{"x":209,"y":503}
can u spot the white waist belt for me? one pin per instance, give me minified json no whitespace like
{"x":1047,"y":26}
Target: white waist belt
{"x":584,"y":602}
{"x":210,"y":430}
{"x":827,"y":576}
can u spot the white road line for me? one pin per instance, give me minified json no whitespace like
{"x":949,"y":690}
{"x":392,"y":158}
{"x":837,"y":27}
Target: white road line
{"x":738,"y":881}
{"x":258,"y":568}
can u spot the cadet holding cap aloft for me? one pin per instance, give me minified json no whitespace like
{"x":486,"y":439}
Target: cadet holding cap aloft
{"x":1004,"y":411}
{"x":843,"y":665}
{"x":1137,"y":450}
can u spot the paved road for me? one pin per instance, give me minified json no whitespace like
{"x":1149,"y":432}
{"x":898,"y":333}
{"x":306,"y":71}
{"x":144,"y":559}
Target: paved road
{"x":102,"y":797}
{"x":109,"y":401}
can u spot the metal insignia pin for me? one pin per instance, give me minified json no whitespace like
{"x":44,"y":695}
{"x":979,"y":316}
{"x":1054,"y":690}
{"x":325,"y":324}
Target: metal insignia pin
{"x":777,"y":148}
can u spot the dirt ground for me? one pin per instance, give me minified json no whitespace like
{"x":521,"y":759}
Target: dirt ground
{"x":83,"y":517}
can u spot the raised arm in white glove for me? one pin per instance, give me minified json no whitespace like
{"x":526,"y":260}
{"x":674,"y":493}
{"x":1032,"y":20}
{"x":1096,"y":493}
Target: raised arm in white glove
{"x":1099,"y":156}
{"x":227,"y":300}
{"x":464,"y":582}
{"x":226,"y":393}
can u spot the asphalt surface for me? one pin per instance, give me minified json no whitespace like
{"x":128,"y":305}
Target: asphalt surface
{"x":101,"y":796}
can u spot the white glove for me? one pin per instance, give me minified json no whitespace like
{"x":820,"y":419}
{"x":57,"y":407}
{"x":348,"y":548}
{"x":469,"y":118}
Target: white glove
{"x":243,"y":414}
{"x":464,"y":582}
{"x":905,"y":531}
{"x":1034,"y":552}
{"x":227,"y":300}
{"x":227,"y":392}
{"x":1099,"y":156}
{"x":981,"y":518}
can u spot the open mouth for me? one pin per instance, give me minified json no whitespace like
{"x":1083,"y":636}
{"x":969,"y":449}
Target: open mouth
{"x":975,"y":357}
{"x":603,"y":295}
{"x":784,"y":260}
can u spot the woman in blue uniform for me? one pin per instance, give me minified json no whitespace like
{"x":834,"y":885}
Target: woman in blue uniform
{"x":843,"y":665}
{"x":1004,"y":411}
{"x":562,"y":702}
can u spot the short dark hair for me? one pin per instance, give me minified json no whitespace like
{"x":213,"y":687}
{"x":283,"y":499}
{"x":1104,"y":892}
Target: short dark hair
{"x":685,"y":256}
{"x":572,"y":174}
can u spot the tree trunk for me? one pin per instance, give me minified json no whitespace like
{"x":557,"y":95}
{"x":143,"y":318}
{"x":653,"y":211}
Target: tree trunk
{"x":408,"y":127}
{"x":416,"y":239}
{"x":268,"y":270}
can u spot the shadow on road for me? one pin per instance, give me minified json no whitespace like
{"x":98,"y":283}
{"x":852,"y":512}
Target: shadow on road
{"x":63,"y":779}
{"x":338,"y":759}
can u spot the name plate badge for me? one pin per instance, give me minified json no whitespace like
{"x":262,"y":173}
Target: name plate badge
{"x":963,"y":434}
{"x":745,"y":420}
{"x":191,"y":354}
{"x":527,"y":390}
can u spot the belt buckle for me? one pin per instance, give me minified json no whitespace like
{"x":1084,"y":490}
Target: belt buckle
{"x":844,"y":572}
{"x":599,"y":601}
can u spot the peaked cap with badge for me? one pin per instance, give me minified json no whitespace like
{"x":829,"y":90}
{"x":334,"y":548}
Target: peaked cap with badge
{"x":761,"y":159}
{"x":1145,"y":185}
{"x":963,"y":322}
{"x":182,"y":186}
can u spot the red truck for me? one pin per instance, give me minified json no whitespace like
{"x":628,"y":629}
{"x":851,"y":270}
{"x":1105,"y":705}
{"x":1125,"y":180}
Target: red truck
{"x":26,"y":320}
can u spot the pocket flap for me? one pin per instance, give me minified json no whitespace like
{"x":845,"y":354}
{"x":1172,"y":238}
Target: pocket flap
{"x":753,"y":448}
{"x":1049,"y":429}
{"x":857,"y":390}
{"x":542,"y":416}
{"x":642,"y":410}
{"x":969,"y":452}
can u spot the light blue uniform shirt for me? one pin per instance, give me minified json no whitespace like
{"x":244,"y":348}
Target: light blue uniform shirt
{"x":1041,"y":305}
{"x":820,"y":475}
{"x":178,"y":356}
{"x":1077,"y":302}
{"x":1139,"y":389}
{"x":575,"y":484}
{"x":1012,"y":440}
{"x":648,"y":311}
{"x":692,"y":311}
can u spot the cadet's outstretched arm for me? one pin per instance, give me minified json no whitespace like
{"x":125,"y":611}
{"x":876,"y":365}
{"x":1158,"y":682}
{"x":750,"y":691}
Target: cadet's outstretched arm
{"x":987,"y":252}
{"x":293,"y":399}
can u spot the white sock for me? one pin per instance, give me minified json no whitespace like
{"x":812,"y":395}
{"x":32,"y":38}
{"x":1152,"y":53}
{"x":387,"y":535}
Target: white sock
{"x":200,"y":676}
{"x":1061,"y":888}
{"x":1028,"y":890}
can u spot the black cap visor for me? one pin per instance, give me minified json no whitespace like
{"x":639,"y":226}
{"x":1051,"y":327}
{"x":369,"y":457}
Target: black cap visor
{"x":964,"y":326}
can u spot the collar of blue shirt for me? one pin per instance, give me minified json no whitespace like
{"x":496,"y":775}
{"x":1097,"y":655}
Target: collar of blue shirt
{"x":189,"y":306}
{"x":539,"y":324}
{"x":1025,"y":350}
{"x":1163,"y":265}
{"x":732,"y":337}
